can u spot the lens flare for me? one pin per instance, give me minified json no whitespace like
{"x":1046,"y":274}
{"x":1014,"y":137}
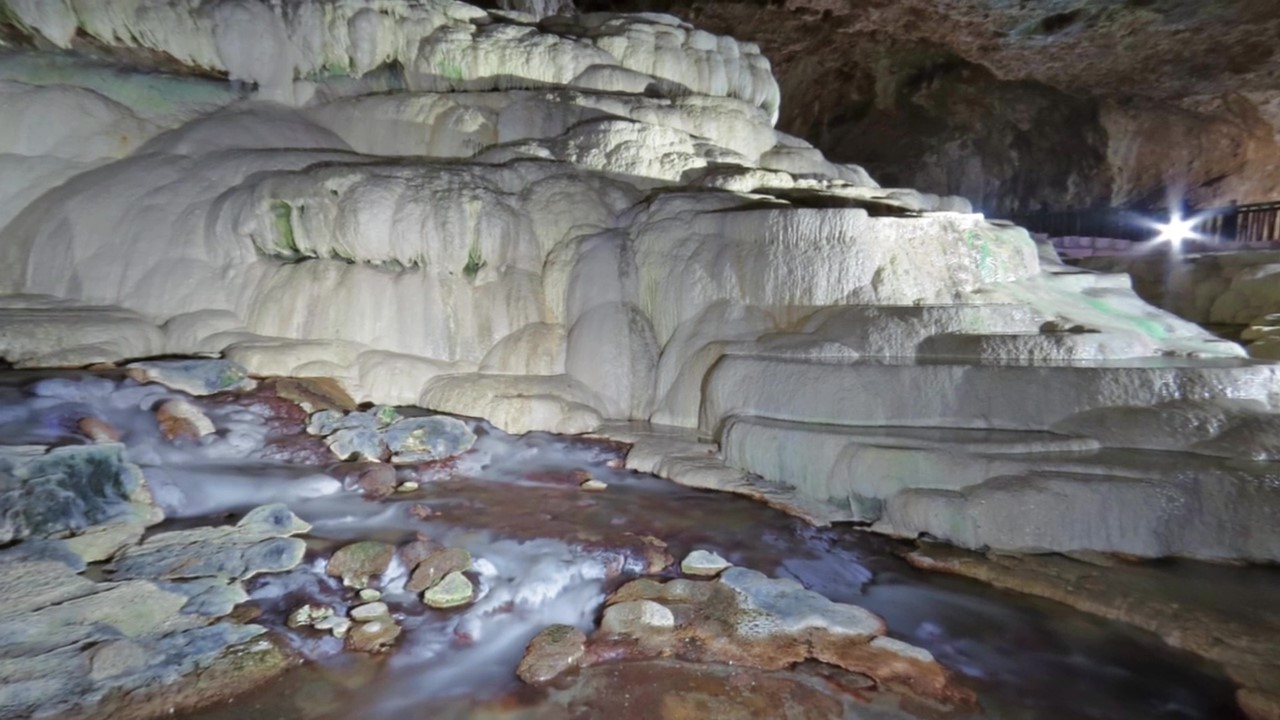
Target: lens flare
{"x":1178,"y":229}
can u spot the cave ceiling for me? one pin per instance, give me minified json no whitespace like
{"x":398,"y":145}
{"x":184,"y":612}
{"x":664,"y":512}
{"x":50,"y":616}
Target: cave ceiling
{"x":1154,"y":48}
{"x":1024,"y":104}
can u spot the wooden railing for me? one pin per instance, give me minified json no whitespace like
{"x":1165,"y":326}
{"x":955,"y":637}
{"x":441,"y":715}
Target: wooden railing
{"x":1257,"y":223}
{"x":1242,"y":223}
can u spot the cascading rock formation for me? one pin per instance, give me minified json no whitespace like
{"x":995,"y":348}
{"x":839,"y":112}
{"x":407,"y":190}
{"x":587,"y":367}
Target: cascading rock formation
{"x":549,"y":224}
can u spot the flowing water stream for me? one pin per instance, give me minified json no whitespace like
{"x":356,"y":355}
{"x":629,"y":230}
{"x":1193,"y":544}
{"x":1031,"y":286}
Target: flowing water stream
{"x":548,"y":552}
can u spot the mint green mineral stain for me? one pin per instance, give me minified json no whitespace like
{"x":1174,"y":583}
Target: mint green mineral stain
{"x":475,"y":262}
{"x":980,"y":246}
{"x":1150,"y":328}
{"x":282,"y":212}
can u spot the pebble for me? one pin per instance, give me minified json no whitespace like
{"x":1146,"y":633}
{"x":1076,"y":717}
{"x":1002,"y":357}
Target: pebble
{"x":97,"y":430}
{"x":181,"y":419}
{"x":308,"y":615}
{"x":370,"y":595}
{"x":335,"y":624}
{"x":593,"y":485}
{"x":405,"y":487}
{"x":454,"y":590}
{"x":636,"y":617}
{"x":370,"y":611}
{"x":704,"y":563}
{"x":374,"y":636}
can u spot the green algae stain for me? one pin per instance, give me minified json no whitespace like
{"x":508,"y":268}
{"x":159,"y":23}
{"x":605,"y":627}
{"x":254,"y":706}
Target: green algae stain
{"x":282,"y":213}
{"x":475,"y":262}
{"x":1151,"y":328}
{"x":979,"y":246}
{"x":451,"y":70}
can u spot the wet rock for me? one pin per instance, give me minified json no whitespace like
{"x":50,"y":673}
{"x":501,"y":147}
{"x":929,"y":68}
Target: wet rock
{"x":336,"y":625}
{"x":308,"y":615}
{"x":259,"y":543}
{"x":789,"y":607}
{"x":181,"y":419}
{"x":357,"y":444}
{"x":55,"y":492}
{"x":584,"y":481}
{"x":704,"y":563}
{"x":436,"y":566}
{"x":551,"y":652}
{"x":212,"y":597}
{"x":327,"y":422}
{"x":372,"y":637}
{"x":370,"y":595}
{"x":375,"y":481}
{"x":656,"y":556}
{"x":383,"y":415}
{"x":407,"y":487}
{"x":422,"y":511}
{"x":453,"y":590}
{"x":747,"y":619}
{"x":636,"y":617}
{"x":194,"y":377}
{"x":91,"y":643}
{"x":369,"y":612}
{"x":101,"y":542}
{"x":314,"y":393}
{"x":357,"y":562}
{"x":98,"y":430}
{"x":273,"y":519}
{"x":414,"y":552}
{"x":424,"y":439}
{"x":665,"y":689}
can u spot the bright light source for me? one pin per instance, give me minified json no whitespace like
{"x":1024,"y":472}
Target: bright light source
{"x":1178,"y":230}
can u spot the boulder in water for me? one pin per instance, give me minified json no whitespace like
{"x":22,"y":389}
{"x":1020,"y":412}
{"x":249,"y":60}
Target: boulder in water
{"x":357,"y":562}
{"x":436,"y":566}
{"x":453,"y":590}
{"x":551,"y":652}
{"x":425,"y":439}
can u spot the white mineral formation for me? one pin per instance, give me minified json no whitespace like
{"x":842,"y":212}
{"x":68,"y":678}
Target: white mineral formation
{"x":553,"y":222}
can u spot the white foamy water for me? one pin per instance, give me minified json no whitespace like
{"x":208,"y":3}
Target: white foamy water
{"x":523,"y":586}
